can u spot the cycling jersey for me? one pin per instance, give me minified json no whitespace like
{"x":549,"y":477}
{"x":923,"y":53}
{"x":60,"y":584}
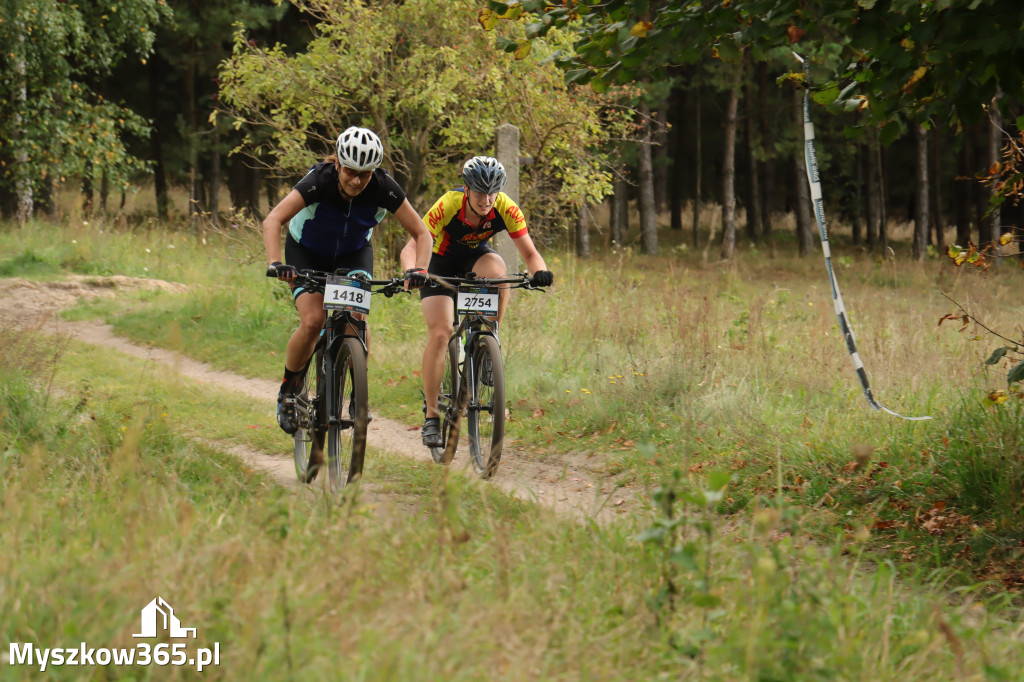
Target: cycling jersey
{"x":330,"y":223}
{"x":453,"y":236}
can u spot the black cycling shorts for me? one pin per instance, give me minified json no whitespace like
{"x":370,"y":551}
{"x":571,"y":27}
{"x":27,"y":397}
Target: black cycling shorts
{"x":304,"y":259}
{"x":449,"y":266}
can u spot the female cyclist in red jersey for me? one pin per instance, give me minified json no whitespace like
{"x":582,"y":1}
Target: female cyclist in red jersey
{"x":462,"y":223}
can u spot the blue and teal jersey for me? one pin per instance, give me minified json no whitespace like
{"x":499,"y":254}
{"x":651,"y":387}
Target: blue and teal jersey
{"x":330,"y":223}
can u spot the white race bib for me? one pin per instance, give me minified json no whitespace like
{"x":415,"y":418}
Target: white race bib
{"x":479,"y":300}
{"x":345,"y":293}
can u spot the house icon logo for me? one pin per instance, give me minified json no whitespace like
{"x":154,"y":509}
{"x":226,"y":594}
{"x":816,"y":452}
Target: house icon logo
{"x":157,"y":613}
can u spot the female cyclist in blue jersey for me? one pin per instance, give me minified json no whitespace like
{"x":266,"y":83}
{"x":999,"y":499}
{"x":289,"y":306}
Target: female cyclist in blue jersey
{"x":461,"y":224}
{"x":330,"y":214}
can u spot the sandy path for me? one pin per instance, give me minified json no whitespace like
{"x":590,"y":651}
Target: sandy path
{"x":566,"y":484}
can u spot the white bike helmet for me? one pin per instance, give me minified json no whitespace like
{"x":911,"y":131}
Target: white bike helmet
{"x":359,"y":149}
{"x":484,"y":174}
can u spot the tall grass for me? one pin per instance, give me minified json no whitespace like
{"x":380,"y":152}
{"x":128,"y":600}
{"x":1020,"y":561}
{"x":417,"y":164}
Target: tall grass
{"x":106,"y":506}
{"x":649,"y":364}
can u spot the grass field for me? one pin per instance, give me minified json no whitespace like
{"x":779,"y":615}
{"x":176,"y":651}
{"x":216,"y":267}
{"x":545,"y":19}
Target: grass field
{"x":807,"y":536}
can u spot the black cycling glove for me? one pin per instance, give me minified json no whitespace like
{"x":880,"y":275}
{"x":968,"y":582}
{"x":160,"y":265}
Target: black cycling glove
{"x":416,"y":277}
{"x":542,"y":278}
{"x":281,"y":271}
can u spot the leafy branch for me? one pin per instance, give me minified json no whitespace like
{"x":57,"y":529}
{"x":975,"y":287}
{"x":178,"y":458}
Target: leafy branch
{"x":1012,"y":350}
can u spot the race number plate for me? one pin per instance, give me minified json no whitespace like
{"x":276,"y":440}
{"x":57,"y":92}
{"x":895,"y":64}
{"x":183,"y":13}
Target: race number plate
{"x":479,"y":300}
{"x":344,"y":293}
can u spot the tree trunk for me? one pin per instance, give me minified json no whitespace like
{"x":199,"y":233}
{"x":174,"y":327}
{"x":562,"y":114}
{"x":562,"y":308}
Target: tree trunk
{"x":979,"y":158}
{"x":23,"y":179}
{"x":191,"y":141}
{"x":921,"y":203}
{"x":677,"y":185}
{"x":583,"y":233}
{"x":87,"y":189}
{"x":619,"y":214}
{"x":46,"y":199}
{"x":215,"y":178}
{"x":753,"y":155}
{"x":804,"y":218}
{"x":963,"y":187}
{"x":156,"y":150}
{"x":883,"y":209}
{"x":729,"y":171}
{"x":645,"y":172}
{"x":104,"y":190}
{"x":766,"y":166}
{"x":698,"y":162}
{"x":936,"y":192}
{"x":857,"y":213}
{"x":993,"y":223}
{"x":873,"y":188}
{"x":253,"y":189}
{"x":660,"y":156}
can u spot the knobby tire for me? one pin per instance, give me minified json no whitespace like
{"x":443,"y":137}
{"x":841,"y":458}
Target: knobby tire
{"x":485,"y":413}
{"x":346,"y":438}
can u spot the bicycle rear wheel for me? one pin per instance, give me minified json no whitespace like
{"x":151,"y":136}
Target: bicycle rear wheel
{"x":346,"y":431}
{"x":447,"y":402}
{"x":485,"y":413}
{"x":309,"y":438}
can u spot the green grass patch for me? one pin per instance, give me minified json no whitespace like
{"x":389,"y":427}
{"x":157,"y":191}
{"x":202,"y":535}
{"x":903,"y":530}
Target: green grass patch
{"x":655,"y":365}
{"x":109,"y":501}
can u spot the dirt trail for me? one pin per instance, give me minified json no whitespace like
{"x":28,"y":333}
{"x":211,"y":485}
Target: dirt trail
{"x":567,"y":485}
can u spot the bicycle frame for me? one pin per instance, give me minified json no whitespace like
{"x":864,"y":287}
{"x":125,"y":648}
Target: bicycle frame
{"x":334,"y":339}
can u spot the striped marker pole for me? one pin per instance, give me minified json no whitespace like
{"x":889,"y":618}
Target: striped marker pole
{"x":813,"y":179}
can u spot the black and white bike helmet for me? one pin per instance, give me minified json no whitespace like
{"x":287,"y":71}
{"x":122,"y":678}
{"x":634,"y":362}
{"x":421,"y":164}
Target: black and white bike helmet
{"x":484,"y":174}
{"x":359,"y":149}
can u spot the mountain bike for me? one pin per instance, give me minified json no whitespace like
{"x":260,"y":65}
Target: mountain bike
{"x":332,"y":402}
{"x":473,"y":382}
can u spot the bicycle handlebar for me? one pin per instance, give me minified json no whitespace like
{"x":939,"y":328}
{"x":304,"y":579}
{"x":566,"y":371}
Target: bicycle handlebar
{"x":316,"y":280}
{"x":519,"y":280}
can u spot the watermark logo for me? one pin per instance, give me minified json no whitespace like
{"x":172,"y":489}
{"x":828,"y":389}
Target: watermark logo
{"x":159,"y":612}
{"x":158,"y":620}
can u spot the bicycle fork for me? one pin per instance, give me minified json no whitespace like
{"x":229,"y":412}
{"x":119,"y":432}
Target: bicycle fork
{"x":331,"y":377}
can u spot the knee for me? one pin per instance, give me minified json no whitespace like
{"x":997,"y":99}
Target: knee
{"x":438,"y":333}
{"x":438,"y":337}
{"x":310,"y":325}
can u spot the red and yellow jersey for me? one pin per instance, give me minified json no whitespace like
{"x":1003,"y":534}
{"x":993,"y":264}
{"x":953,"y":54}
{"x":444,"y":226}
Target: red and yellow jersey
{"x":453,"y":236}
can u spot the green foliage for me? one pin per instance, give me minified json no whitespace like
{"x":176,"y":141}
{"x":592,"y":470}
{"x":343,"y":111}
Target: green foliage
{"x":431,"y":83}
{"x":921,"y":60}
{"x":29,"y":263}
{"x":53,"y":113}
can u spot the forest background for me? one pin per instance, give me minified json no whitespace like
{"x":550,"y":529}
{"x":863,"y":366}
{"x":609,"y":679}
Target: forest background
{"x":670,"y":105}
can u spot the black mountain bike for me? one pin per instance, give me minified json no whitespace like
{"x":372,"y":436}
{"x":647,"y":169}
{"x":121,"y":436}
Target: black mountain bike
{"x":473,"y":382}
{"x":332,"y":402}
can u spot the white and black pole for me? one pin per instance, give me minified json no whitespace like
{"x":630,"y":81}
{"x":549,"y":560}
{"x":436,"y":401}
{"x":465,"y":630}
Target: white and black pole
{"x":814,"y":180}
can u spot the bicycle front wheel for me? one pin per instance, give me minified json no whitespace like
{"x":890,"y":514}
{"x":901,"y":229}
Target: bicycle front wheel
{"x":309,"y":438}
{"x":346,"y":431}
{"x":447,"y":398}
{"x":485,"y":413}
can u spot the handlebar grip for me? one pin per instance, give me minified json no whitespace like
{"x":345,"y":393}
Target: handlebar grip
{"x":271,"y":270}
